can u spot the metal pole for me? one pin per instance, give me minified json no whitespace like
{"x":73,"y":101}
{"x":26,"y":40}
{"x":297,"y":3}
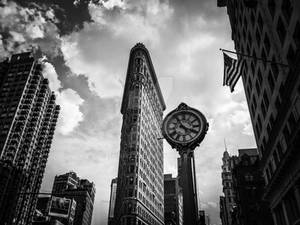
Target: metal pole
{"x":187,"y":182}
{"x":255,"y":58}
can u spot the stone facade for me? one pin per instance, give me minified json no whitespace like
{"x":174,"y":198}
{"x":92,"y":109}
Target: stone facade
{"x":270,"y":29}
{"x":140,"y":192}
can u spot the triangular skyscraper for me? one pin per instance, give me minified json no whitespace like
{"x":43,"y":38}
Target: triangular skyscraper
{"x":140,"y":188}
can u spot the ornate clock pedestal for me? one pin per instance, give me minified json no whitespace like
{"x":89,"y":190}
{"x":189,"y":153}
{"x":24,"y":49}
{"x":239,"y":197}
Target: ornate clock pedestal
{"x":187,"y":180}
{"x":184,"y":128}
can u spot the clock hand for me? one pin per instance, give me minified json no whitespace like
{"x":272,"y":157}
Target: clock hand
{"x":193,"y":129}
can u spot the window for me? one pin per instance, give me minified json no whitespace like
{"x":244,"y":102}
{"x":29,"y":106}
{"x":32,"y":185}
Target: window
{"x":296,"y":35}
{"x":254,"y":102}
{"x":286,"y":133}
{"x":263,"y":56}
{"x":263,"y":109}
{"x":267,"y":43}
{"x":292,"y":208}
{"x":266,"y":100}
{"x":281,"y":31}
{"x":281,"y":91}
{"x":270,"y":165}
{"x":277,"y":103}
{"x":271,"y":81}
{"x":279,"y":215}
{"x":274,"y":68}
{"x":259,"y":76}
{"x":292,"y":120}
{"x":272,"y":7}
{"x":253,"y":18}
{"x":252,"y":67}
{"x":287,"y":10}
{"x":257,"y":34}
{"x":276,"y":157}
{"x":259,"y":122}
{"x":257,"y":85}
{"x":260,"y":22}
{"x":279,"y":150}
{"x":291,"y":55}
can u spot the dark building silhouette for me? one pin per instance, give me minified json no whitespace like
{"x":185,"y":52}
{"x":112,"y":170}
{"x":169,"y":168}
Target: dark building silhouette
{"x":223,"y":211}
{"x":42,"y":205}
{"x":228,"y":201}
{"x":202,"y":217}
{"x":44,"y":213}
{"x":270,"y":29}
{"x":65,"y":181}
{"x":112,"y":201}
{"x":81,"y":190}
{"x":28,"y":115}
{"x":173,"y":201}
{"x":248,"y":185}
{"x":52,"y":222}
{"x":140,"y":191}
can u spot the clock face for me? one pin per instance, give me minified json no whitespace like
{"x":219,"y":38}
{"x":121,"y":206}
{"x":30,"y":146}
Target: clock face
{"x":183,"y":126}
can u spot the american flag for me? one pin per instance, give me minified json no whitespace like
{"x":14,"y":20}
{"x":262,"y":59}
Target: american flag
{"x":232,"y":71}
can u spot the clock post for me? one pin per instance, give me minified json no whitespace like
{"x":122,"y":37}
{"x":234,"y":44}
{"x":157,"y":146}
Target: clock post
{"x":184,"y":129}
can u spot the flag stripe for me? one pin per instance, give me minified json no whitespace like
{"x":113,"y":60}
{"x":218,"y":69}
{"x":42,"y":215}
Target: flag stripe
{"x":232,"y":71}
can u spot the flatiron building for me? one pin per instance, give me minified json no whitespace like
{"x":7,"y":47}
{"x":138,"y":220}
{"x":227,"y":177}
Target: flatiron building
{"x":140,"y":186}
{"x":28,"y":115}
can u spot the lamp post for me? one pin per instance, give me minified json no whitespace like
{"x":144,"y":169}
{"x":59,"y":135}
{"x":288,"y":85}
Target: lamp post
{"x":184,"y":128}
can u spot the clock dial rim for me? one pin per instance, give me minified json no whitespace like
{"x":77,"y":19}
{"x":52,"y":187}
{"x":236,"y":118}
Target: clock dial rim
{"x":183,"y":113}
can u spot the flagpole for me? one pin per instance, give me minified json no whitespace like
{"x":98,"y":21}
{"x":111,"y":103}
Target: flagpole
{"x":256,"y":58}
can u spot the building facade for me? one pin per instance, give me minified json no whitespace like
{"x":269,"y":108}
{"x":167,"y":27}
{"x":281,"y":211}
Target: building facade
{"x":81,"y":190}
{"x":65,"y":181}
{"x":140,"y":192}
{"x":227,"y":202}
{"x":28,"y":115}
{"x":173,"y":201}
{"x":48,"y":212}
{"x":112,"y":200}
{"x":248,"y":184}
{"x":270,"y":29}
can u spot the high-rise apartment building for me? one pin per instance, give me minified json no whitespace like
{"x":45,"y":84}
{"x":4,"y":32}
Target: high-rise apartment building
{"x":70,"y":186}
{"x":112,"y":201}
{"x":173,"y":200}
{"x":140,"y":188}
{"x":28,"y":115}
{"x":270,"y":29}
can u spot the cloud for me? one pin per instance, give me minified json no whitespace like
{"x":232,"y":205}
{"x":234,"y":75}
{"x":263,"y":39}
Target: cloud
{"x":25,"y":28}
{"x":102,"y":80}
{"x":123,"y":21}
{"x":49,"y":72}
{"x":69,"y":100}
{"x":70,"y":114}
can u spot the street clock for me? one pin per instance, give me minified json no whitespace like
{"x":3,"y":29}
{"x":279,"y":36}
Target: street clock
{"x":184,"y":127}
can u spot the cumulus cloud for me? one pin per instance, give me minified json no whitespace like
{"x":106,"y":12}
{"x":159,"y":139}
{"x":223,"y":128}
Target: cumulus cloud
{"x":69,"y":100}
{"x":124,"y":21}
{"x":23,"y":28}
{"x":102,"y":80}
{"x":49,"y":72}
{"x":70,"y":115}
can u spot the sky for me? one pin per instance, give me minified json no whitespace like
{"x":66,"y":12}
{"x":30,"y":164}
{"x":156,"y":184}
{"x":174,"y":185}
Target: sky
{"x":85,"y":47}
